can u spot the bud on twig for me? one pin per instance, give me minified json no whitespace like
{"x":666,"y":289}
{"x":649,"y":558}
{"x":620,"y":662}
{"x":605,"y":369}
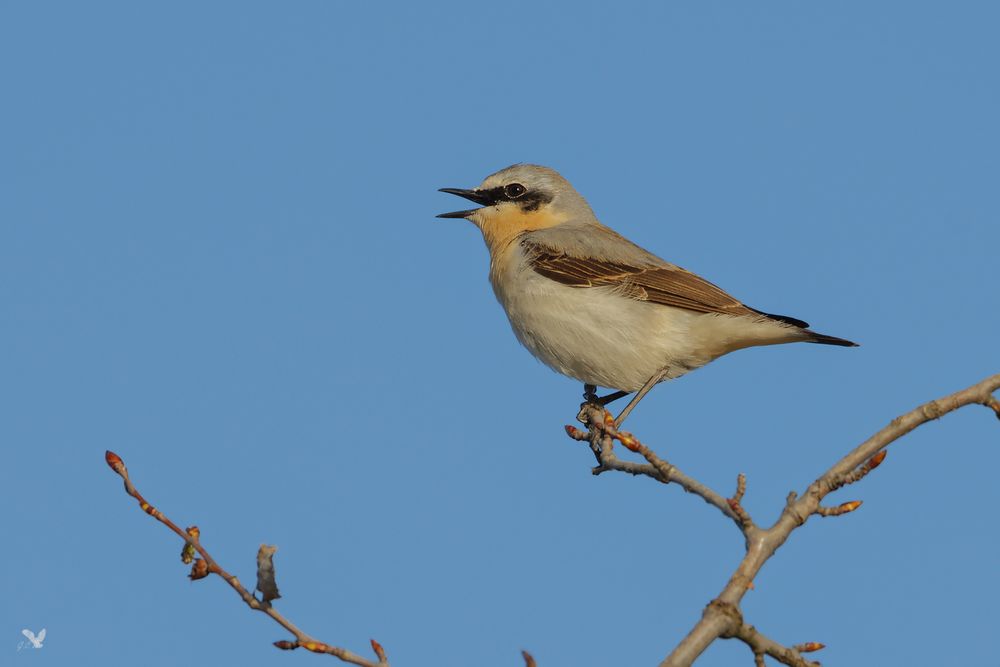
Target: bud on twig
{"x":843,"y":508}
{"x":188,"y":553}
{"x":629,"y":441}
{"x":876,"y":460}
{"x":199,"y":570}
{"x":809,"y":647}
{"x":315,"y":647}
{"x":379,"y":651}
{"x":115,"y":462}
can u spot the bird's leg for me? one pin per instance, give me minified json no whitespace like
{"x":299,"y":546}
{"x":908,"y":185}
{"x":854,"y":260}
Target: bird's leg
{"x":611,"y":398}
{"x":650,"y":383}
{"x":590,"y":393}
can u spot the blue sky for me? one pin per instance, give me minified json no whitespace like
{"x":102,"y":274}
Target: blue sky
{"x":219,"y":258}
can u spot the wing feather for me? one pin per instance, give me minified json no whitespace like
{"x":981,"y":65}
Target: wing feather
{"x":664,"y":284}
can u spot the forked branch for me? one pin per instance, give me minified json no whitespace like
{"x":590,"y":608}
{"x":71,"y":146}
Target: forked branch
{"x":202,"y":567}
{"x":722,"y":617}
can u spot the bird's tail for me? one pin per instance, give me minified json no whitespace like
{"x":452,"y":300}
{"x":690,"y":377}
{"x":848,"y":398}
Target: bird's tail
{"x":823,"y":339}
{"x":814,"y":337}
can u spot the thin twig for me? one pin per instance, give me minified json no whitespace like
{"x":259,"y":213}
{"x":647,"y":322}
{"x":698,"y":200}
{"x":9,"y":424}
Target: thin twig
{"x":860,"y":472}
{"x":762,"y":645}
{"x":601,"y":433}
{"x":207,"y":565}
{"x":842,"y":508}
{"x":993,"y":404}
{"x":736,"y":502}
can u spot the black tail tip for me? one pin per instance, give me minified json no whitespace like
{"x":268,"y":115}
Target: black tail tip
{"x":823,"y":339}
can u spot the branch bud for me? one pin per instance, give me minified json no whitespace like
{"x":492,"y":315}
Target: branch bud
{"x":315,"y":647}
{"x":379,"y":651}
{"x":189,"y":553}
{"x":629,"y":441}
{"x":199,"y":570}
{"x":809,"y":647}
{"x":843,"y":508}
{"x":876,"y":460}
{"x":115,"y":463}
{"x":849,"y":506}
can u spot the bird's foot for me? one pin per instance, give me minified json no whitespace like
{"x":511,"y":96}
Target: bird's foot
{"x":590,"y":395}
{"x":612,"y":397}
{"x":593,"y":404}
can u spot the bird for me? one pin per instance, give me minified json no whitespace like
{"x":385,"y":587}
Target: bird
{"x":36,"y":640}
{"x":594,"y":306}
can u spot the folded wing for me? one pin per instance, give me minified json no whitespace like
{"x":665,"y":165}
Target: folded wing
{"x":666,"y":284}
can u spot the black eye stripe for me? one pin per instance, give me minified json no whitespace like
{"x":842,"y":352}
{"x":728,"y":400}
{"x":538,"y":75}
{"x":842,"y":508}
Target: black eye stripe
{"x":496,"y":195}
{"x":530,"y":200}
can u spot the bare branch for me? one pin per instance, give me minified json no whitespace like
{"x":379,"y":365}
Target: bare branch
{"x":859,"y":473}
{"x":379,"y":653}
{"x":722,"y":617}
{"x":992,"y":403}
{"x":809,"y":647}
{"x":601,"y":434}
{"x":202,"y":567}
{"x":851,"y":468}
{"x":736,"y":502}
{"x":741,"y":488}
{"x":762,"y":645}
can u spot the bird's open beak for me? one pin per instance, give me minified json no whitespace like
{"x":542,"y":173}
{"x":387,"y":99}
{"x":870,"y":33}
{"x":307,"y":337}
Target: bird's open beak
{"x":471,"y":195}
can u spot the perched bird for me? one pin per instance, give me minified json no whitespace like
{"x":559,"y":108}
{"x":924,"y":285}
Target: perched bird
{"x":596,"y":307}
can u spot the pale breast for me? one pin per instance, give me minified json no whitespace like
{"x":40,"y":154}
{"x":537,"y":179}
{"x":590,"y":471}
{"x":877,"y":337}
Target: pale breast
{"x":594,"y":335}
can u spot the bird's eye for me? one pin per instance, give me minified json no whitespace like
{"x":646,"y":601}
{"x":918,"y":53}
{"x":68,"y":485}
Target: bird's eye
{"x":514,"y":190}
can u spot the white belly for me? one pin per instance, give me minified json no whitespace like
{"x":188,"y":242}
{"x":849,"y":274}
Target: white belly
{"x":596,"y":336}
{"x":599,"y":337}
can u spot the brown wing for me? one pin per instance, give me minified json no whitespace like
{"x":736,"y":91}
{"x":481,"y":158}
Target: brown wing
{"x":667,"y":285}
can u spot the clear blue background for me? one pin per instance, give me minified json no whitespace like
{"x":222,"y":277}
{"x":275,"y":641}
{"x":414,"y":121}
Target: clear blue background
{"x":219,"y":258}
